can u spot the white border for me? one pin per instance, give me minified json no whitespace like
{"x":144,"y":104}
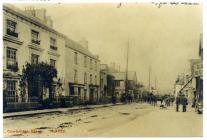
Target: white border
{"x":112,"y":1}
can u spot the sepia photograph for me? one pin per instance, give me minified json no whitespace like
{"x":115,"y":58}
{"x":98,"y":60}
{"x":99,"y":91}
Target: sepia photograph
{"x":102,"y":69}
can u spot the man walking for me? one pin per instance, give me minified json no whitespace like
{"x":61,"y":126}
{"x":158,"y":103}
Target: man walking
{"x":185,"y":103}
{"x":177,"y":103}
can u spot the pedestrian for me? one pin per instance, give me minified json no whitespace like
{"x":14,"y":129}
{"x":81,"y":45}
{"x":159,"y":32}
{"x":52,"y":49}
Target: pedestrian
{"x":172,"y":100}
{"x":113,"y":99}
{"x":177,"y":103}
{"x":155,"y":100}
{"x":185,"y":103}
{"x":167,"y":102}
{"x":161,"y":101}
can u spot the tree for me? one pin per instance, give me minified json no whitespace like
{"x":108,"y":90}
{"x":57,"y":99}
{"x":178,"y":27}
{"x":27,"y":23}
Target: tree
{"x":34,"y":72}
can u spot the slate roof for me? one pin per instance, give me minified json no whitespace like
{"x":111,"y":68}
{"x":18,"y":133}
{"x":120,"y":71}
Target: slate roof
{"x":79,"y":48}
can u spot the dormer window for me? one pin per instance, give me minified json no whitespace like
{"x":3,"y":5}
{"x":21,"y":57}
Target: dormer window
{"x":11,"y":28}
{"x":53,"y":45}
{"x":35,"y":37}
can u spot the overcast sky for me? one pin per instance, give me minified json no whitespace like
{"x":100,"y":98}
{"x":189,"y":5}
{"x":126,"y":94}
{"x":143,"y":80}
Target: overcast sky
{"x":164,"y":38}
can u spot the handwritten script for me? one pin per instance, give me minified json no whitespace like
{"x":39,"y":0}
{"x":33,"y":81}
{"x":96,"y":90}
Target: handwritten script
{"x":159,"y":4}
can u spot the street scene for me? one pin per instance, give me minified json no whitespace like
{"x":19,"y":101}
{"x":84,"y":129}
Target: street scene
{"x":140,"y":120}
{"x":102,"y":70}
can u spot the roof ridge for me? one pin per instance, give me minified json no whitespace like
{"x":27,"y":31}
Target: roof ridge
{"x":77,"y":46}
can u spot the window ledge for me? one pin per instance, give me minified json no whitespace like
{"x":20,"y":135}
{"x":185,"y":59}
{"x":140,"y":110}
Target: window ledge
{"x":35,"y":47}
{"x":12,"y":39}
{"x":52,"y":52}
{"x":9,"y":73}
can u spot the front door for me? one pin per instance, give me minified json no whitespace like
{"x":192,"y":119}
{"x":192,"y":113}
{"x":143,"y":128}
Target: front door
{"x":91,"y":97}
{"x":79,"y":92}
{"x":71,"y":90}
{"x":79,"y":95}
{"x":85,"y":92}
{"x":35,"y":90}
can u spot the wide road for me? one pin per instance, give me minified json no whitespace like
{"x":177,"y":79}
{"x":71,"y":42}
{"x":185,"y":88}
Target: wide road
{"x":140,"y":120}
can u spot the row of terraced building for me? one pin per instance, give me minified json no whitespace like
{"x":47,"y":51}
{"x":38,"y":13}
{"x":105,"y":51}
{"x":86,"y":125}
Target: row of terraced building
{"x":29,"y":37}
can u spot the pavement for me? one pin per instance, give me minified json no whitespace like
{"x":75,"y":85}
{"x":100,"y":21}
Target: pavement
{"x":56,"y":110}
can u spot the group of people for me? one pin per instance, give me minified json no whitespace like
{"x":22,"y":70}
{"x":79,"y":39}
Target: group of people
{"x":181,"y":100}
{"x":165,"y":101}
{"x":169,"y":101}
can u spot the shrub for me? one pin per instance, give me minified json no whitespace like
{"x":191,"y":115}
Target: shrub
{"x":123,"y":98}
{"x":46,"y":103}
{"x":114,"y":99}
{"x":62,"y":102}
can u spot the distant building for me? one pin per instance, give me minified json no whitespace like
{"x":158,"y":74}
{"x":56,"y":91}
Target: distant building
{"x":191,"y":85}
{"x":120,"y":82}
{"x":197,"y":73}
{"x":178,"y":84}
{"x":106,"y":83}
{"x":183,"y":85}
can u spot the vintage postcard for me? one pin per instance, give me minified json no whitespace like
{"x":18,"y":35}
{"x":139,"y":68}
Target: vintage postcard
{"x":102,"y":69}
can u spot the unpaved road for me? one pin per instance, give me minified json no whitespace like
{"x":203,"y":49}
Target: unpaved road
{"x":141,"y":120}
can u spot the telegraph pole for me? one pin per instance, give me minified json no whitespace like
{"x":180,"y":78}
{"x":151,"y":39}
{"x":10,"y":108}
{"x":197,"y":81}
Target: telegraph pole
{"x":126,"y":78}
{"x":155,"y":82}
{"x":156,"y":85}
{"x":149,"y":86}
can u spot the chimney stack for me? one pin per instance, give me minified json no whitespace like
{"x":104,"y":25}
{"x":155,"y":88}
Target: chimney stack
{"x":40,"y":14}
